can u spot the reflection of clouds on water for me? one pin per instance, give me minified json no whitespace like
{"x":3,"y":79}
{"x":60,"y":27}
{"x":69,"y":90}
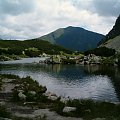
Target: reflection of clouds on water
{"x":69,"y":80}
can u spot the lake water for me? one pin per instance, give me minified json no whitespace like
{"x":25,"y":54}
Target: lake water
{"x":76,"y":81}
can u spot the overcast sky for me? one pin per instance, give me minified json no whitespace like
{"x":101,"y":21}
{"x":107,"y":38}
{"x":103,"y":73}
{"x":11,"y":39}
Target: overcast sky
{"x":24,"y":19}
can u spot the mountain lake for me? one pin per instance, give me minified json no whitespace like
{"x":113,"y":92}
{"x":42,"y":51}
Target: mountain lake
{"x":74,"y":81}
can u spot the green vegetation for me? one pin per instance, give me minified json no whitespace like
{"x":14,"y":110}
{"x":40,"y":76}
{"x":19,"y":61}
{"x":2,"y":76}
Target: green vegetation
{"x":107,"y":61}
{"x":69,"y":61}
{"x":89,"y":109}
{"x":101,"y":51}
{"x":26,"y":85}
{"x":4,"y":112}
{"x":31,"y":48}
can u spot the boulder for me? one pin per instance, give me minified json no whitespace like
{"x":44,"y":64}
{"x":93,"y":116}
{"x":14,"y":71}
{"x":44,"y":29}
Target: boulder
{"x":69,"y":109}
{"x":22,"y":96}
{"x":53,"y":98}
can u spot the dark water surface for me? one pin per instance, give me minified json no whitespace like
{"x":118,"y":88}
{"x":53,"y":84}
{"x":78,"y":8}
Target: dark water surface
{"x":75,"y":81}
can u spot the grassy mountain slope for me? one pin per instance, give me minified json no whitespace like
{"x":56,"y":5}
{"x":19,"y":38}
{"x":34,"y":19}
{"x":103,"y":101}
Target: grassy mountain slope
{"x":75,"y":38}
{"x":113,"y":43}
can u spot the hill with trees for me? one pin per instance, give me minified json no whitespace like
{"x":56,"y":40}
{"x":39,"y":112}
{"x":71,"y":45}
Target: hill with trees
{"x":33,"y":47}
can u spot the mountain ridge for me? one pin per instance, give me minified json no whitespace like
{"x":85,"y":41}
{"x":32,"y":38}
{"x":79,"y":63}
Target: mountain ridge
{"x":112,"y":39}
{"x":75,"y":38}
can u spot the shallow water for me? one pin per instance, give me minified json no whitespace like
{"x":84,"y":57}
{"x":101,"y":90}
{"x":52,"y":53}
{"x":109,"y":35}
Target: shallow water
{"x":75,"y":81}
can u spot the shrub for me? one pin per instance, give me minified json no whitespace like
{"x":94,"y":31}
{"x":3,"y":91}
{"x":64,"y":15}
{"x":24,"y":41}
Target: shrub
{"x":101,"y":51}
{"x":69,"y":61}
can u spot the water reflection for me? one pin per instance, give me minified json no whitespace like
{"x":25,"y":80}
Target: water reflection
{"x":94,"y":82}
{"x":112,"y":72}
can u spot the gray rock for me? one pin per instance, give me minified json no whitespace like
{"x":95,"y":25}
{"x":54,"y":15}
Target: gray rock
{"x":22,"y":96}
{"x":53,"y":98}
{"x":69,"y":109}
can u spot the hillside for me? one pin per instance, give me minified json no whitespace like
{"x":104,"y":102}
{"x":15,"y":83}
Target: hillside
{"x":74,"y":38}
{"x":114,"y":32}
{"x":112,"y":39}
{"x":113,"y":43}
{"x":16,"y":47}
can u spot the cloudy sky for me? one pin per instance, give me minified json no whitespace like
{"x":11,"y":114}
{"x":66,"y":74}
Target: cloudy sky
{"x":24,"y":19}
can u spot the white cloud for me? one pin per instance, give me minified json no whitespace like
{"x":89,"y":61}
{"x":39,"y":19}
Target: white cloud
{"x":24,"y":19}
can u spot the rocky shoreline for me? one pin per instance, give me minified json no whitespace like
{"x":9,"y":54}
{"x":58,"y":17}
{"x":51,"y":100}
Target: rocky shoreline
{"x":25,"y":99}
{"x":90,"y":59}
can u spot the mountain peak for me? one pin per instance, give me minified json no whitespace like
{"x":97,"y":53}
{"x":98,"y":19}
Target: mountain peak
{"x":75,"y":38}
{"x":73,"y":27}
